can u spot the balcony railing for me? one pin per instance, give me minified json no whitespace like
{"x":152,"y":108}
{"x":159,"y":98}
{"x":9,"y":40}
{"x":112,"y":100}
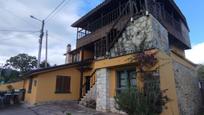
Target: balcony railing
{"x":104,"y":20}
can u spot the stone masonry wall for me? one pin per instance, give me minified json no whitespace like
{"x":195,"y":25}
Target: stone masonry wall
{"x":145,"y":28}
{"x":104,"y":102}
{"x":102,"y":90}
{"x":189,"y":98}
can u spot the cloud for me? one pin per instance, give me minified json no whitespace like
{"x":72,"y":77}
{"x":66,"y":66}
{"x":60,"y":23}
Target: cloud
{"x":15,"y":16}
{"x":196,"y":54}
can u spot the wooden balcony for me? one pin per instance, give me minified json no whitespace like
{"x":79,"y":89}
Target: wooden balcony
{"x":173,"y":20}
{"x":99,"y":33}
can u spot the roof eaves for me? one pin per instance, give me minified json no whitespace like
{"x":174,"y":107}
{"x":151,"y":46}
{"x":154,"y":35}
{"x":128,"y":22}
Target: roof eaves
{"x":75,"y":24}
{"x":39,"y":71}
{"x":179,"y":11}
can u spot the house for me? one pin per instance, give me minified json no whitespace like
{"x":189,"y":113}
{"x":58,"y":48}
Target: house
{"x":108,"y":37}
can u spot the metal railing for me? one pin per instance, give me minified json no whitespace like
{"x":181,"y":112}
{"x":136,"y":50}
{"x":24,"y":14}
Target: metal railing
{"x":104,"y":20}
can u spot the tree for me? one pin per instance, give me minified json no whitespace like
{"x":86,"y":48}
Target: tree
{"x":22,"y":62}
{"x":200,"y":72}
{"x":42,"y":65}
{"x":8,"y":75}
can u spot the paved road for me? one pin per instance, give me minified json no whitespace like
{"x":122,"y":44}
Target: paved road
{"x":61,"y":108}
{"x":17,"y":110}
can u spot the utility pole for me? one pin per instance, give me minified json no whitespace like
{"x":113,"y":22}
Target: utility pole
{"x":40,"y":40}
{"x":40,"y":44}
{"x":46,"y":45}
{"x":42,"y":31}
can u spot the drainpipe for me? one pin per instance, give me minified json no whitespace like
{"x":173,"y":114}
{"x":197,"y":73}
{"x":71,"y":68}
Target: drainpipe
{"x":81,"y":74}
{"x":81,"y":81}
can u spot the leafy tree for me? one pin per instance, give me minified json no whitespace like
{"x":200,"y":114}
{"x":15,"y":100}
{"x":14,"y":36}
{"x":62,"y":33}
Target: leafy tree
{"x":22,"y":62}
{"x":7,"y":75}
{"x":200,"y":72}
{"x":42,"y":65}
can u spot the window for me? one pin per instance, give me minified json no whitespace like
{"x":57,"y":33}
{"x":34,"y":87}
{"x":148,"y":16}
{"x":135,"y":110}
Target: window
{"x":63,"y":84}
{"x":125,"y":79}
{"x":30,"y":85}
{"x":76,"y":57}
{"x":35,"y":83}
{"x":100,"y":48}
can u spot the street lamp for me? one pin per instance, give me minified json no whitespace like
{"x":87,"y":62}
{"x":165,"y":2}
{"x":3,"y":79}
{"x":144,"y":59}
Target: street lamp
{"x":40,"y":40}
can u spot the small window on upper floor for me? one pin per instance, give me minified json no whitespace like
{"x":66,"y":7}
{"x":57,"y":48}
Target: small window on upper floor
{"x":75,"y":57}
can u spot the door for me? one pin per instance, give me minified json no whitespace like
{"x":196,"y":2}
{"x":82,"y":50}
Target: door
{"x":88,"y":78}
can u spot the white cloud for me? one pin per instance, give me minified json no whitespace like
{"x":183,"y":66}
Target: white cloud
{"x":196,"y":54}
{"x":15,"y":15}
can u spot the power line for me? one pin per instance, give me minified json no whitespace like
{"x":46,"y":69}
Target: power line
{"x":54,"y":10}
{"x":57,"y":11}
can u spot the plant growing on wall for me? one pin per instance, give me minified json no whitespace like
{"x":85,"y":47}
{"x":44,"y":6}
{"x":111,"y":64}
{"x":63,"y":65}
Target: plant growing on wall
{"x":147,"y":99}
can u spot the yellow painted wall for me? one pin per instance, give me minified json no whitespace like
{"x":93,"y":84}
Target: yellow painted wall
{"x":15,"y":85}
{"x":178,"y":50}
{"x":44,"y":91}
{"x":112,"y":82}
{"x":118,"y":61}
{"x":168,"y":82}
{"x":30,"y":98}
{"x":166,"y":77}
{"x":183,"y":61}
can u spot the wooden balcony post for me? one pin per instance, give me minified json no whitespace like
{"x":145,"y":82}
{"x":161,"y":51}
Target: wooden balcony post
{"x":77,"y":33}
{"x":131,"y":7}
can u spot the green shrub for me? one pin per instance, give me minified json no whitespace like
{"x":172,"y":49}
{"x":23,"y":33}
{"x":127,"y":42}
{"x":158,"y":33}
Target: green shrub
{"x":69,"y":114}
{"x":134,"y":102}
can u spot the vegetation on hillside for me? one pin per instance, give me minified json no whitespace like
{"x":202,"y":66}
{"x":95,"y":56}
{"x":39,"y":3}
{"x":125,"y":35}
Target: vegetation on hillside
{"x":17,"y":65}
{"x":22,"y":62}
{"x":8,"y":75}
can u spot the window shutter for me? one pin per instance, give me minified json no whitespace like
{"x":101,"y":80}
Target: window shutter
{"x":68,"y":84}
{"x":58,"y":84}
{"x":63,"y":84}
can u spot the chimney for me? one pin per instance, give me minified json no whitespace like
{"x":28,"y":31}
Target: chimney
{"x":68,"y":56}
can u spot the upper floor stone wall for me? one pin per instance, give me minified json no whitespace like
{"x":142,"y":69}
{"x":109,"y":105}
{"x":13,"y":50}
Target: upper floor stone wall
{"x":141,"y":34}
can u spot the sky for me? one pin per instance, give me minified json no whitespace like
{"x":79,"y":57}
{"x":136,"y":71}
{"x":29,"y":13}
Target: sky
{"x":194,"y":12}
{"x":15,"y":16}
